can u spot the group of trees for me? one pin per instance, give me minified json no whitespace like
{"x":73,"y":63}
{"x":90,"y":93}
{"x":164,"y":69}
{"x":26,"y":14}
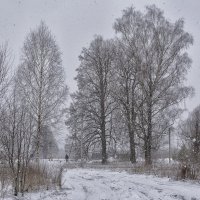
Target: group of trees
{"x":189,"y":131}
{"x":31,"y":101}
{"x":130,"y":87}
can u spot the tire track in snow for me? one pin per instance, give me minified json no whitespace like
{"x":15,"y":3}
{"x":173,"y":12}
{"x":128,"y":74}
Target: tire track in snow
{"x":107,"y":185}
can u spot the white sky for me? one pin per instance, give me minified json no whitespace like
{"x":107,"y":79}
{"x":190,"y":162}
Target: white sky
{"x":75,"y":22}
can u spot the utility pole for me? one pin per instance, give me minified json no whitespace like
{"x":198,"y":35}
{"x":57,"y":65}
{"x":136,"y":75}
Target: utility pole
{"x":169,"y":146}
{"x":82,"y":141}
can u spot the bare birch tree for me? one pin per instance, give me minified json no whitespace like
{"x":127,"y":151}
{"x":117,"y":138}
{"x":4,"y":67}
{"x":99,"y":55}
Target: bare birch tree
{"x":17,"y":136}
{"x":158,"y":48}
{"x":94,"y":80}
{"x":41,"y":78}
{"x":82,"y":133}
{"x":125,"y":89}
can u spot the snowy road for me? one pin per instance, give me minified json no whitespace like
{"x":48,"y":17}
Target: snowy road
{"x":90,"y":184}
{"x":87,"y":184}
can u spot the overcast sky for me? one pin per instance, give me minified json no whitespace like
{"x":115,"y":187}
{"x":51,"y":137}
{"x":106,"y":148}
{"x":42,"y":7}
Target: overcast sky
{"x":75,"y":22}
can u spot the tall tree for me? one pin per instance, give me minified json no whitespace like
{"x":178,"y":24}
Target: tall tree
{"x":94,"y":84}
{"x":81,"y":129}
{"x":190,"y":133}
{"x":17,"y":136}
{"x":41,"y":79}
{"x":125,"y":89}
{"x":158,"y":48}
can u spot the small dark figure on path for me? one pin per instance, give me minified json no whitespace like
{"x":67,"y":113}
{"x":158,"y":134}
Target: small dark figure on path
{"x":32,"y":156}
{"x":66,"y":157}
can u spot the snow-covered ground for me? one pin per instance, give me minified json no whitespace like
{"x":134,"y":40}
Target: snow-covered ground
{"x":93,"y":184}
{"x":106,"y":185}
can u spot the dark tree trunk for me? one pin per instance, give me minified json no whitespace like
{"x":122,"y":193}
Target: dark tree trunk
{"x":131,"y":141}
{"x":148,"y":158}
{"x":103,"y":118}
{"x":131,"y":121}
{"x":38,"y":139}
{"x":104,"y":151}
{"x":196,"y":144}
{"x":16,"y":188}
{"x":132,"y":147}
{"x":103,"y":135}
{"x":148,"y":138}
